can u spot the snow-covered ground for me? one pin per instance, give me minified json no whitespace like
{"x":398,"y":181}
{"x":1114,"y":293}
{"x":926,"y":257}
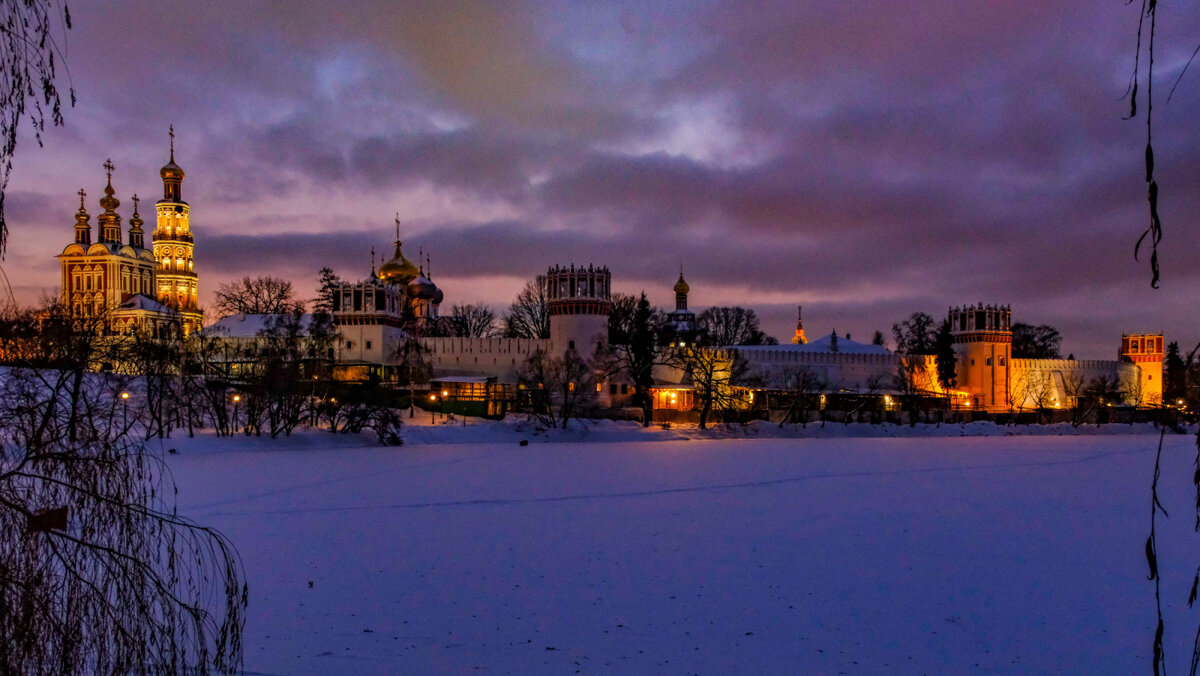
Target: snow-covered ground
{"x":623,"y":551}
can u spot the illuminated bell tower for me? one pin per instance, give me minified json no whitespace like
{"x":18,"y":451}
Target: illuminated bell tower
{"x":177,"y":282}
{"x":799,"y":338}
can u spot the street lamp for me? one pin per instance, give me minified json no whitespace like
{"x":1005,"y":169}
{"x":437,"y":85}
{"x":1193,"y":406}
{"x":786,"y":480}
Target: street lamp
{"x":236,"y":398}
{"x":125,"y":410}
{"x":432,"y":413}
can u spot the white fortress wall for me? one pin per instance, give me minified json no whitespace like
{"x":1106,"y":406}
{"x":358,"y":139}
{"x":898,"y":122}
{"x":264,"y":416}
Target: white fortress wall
{"x":1047,"y":382}
{"x":491,"y":357}
{"x":839,"y":370}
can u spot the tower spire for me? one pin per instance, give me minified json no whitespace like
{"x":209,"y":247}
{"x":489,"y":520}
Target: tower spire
{"x":110,"y":220}
{"x":372,"y":260}
{"x":136,"y":238}
{"x":83,"y":230}
{"x":799,"y":338}
{"x":172,"y":174}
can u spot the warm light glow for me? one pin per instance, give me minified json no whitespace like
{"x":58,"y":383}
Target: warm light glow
{"x":433,"y":397}
{"x":445,"y":393}
{"x":237,"y":398}
{"x":124,"y":395}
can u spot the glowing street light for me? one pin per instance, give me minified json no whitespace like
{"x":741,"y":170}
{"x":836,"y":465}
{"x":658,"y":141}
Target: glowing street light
{"x":125,"y":410}
{"x":432,"y":413}
{"x":236,"y":398}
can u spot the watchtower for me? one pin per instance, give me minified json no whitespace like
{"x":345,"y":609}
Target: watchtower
{"x":983,"y":347}
{"x":1145,"y":350}
{"x":579,"y":302}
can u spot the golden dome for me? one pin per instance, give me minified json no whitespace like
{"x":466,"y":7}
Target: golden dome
{"x":681,"y":286}
{"x":171,"y":171}
{"x":399,"y":270}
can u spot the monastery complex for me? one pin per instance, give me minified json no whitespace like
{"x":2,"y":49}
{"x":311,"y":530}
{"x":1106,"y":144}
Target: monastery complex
{"x":155,"y":289}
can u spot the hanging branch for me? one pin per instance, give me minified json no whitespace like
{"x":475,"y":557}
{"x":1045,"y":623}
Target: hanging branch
{"x":28,"y":71}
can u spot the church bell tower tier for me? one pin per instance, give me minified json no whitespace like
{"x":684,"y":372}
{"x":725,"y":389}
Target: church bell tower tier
{"x":579,"y":302}
{"x":173,"y":246}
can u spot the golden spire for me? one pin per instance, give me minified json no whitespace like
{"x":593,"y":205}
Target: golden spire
{"x":171,"y":133}
{"x":372,"y":260}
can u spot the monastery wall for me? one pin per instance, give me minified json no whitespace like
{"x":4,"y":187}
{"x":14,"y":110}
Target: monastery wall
{"x":1054,"y":383}
{"x":488,"y":357}
{"x":840,"y":370}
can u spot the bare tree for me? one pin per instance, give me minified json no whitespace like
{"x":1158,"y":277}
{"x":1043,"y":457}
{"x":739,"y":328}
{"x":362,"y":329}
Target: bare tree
{"x":803,"y":387}
{"x":712,"y":373}
{"x":32,"y":35}
{"x":729,"y":326}
{"x":474,"y":321}
{"x":635,"y":355}
{"x":559,"y":388}
{"x":98,"y":571}
{"x":529,"y":314}
{"x":254,"y":296}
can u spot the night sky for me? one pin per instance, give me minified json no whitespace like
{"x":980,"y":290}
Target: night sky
{"x":864,"y":159}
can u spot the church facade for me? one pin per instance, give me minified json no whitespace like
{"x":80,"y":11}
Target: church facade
{"x":122,"y":282}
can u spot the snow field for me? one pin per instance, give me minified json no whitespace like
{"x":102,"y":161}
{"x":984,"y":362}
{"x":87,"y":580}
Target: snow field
{"x":652,"y":554}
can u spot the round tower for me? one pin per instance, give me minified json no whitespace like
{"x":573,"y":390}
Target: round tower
{"x":579,"y":302}
{"x":983,"y":347}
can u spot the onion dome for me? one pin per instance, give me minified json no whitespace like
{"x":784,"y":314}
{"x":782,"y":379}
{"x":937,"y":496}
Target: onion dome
{"x":681,"y":286}
{"x":399,"y":270}
{"x":438,"y":295}
{"x":170,"y":170}
{"x":421,"y":288}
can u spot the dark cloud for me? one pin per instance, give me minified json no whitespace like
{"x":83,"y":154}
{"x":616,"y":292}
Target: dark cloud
{"x":866,"y":159}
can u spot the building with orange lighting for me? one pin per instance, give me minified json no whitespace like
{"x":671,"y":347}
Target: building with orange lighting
{"x":122,"y":282}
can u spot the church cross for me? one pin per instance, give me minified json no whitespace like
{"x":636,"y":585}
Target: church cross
{"x":82,"y":195}
{"x":108,"y":169}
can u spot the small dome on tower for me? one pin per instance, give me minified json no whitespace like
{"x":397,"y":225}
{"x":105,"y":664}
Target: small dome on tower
{"x":421,"y":288}
{"x":171,"y":170}
{"x":681,"y":286}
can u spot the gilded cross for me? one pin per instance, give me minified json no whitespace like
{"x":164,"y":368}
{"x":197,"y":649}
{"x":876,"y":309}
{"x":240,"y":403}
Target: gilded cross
{"x":108,"y":168}
{"x":82,"y":195}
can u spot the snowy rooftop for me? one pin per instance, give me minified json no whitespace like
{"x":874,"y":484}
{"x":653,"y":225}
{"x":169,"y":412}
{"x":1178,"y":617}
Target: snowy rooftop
{"x":822,"y":344}
{"x":247,"y":326}
{"x":142,"y":302}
